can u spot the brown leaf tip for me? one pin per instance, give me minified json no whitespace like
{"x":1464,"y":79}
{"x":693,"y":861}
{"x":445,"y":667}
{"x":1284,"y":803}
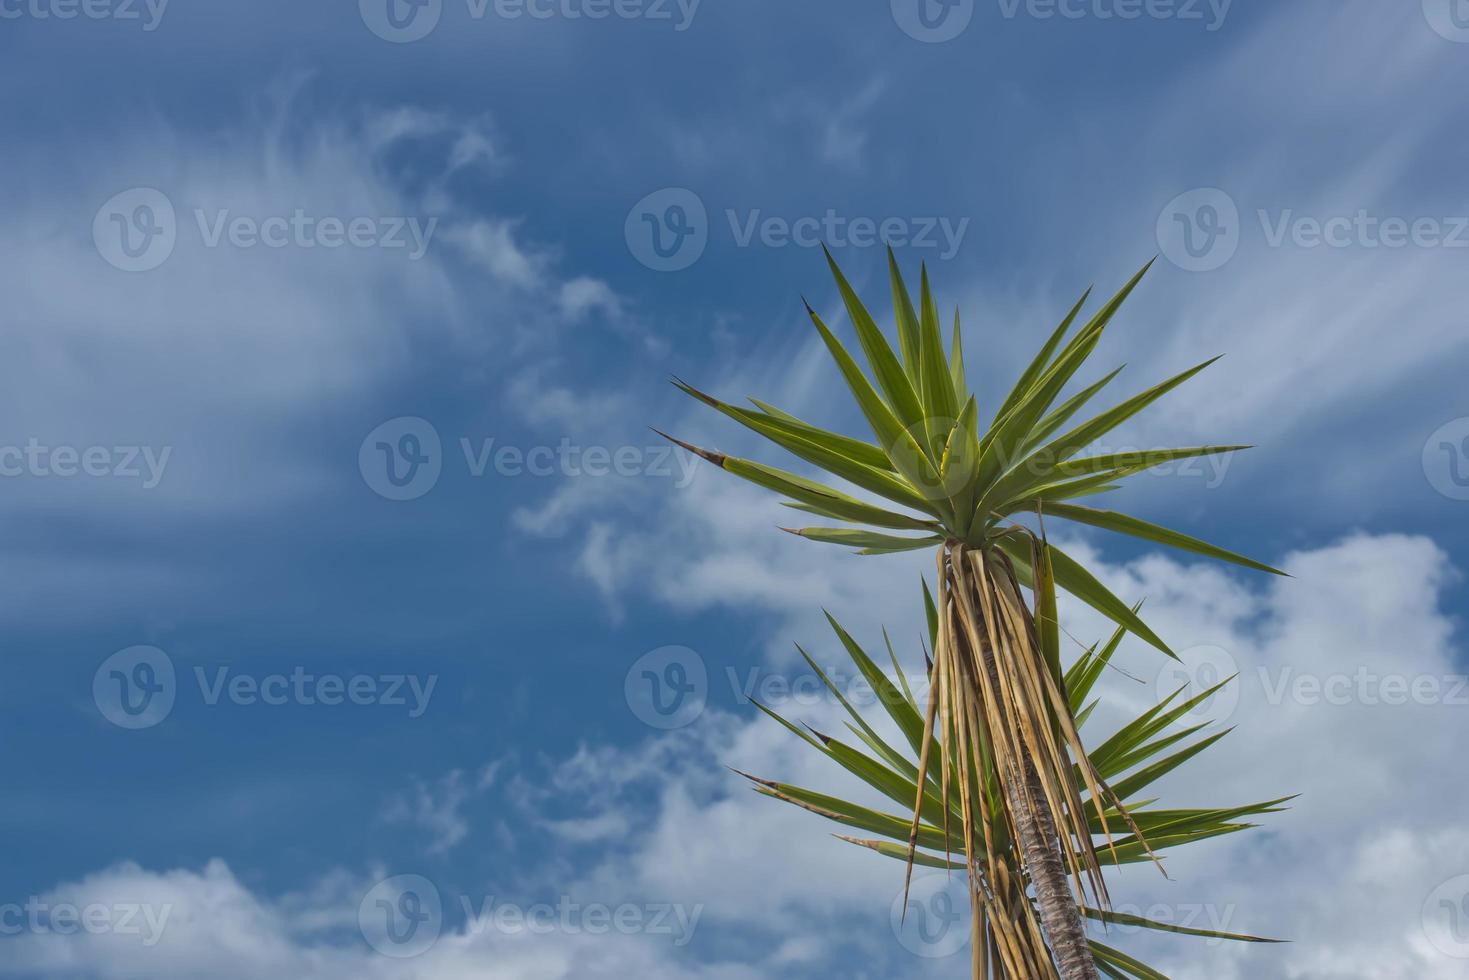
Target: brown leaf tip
{"x":716,"y":458}
{"x":755,"y":779}
{"x":689,"y":389}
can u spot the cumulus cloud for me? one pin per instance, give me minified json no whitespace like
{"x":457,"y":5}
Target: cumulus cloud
{"x":1345,"y":873}
{"x":1348,"y":872}
{"x":213,"y":925}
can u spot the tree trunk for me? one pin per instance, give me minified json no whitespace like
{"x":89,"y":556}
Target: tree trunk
{"x":1002,"y":710}
{"x":1060,"y":918}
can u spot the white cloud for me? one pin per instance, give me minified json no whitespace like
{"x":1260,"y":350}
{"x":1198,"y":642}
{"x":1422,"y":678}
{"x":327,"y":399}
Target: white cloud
{"x":1345,"y":873}
{"x":840,"y":122}
{"x":493,"y":245}
{"x":236,"y":361}
{"x":224,"y":347}
{"x":1324,"y":346}
{"x":215,"y":926}
{"x":437,"y":809}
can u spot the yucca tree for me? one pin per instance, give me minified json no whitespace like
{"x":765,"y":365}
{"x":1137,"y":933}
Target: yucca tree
{"x":1136,"y":755}
{"x":998,"y":697}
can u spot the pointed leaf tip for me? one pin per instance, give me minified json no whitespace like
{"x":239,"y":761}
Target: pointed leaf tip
{"x":754,"y":779}
{"x":716,"y":458}
{"x":689,"y":389}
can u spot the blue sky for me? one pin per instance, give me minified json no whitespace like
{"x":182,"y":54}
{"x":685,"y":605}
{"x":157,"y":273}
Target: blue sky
{"x":337,"y":238}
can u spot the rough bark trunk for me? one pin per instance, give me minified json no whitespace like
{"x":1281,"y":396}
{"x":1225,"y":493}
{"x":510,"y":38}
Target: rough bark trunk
{"x":1060,"y":918}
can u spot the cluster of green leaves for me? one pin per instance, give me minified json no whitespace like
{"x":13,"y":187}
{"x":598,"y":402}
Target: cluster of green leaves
{"x":955,"y":480}
{"x":1136,"y":756}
